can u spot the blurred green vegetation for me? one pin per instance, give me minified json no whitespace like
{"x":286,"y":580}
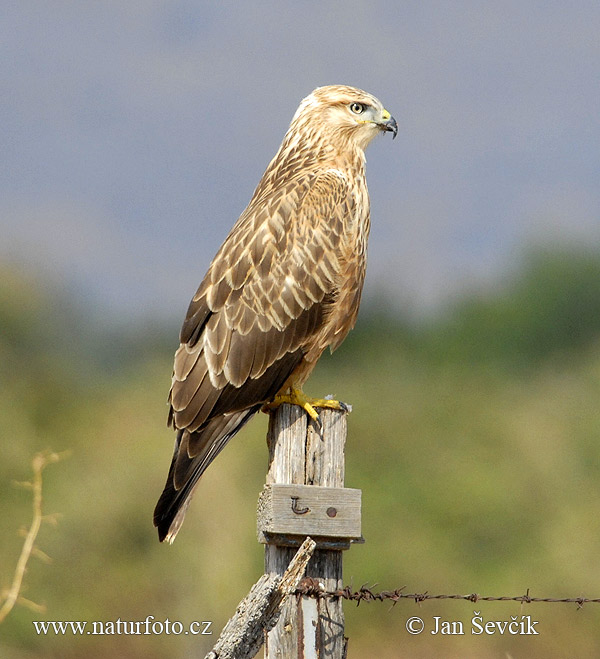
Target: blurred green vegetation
{"x":474,"y":437}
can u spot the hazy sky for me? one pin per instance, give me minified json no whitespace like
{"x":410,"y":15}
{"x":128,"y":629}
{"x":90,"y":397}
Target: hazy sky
{"x":133,"y":134}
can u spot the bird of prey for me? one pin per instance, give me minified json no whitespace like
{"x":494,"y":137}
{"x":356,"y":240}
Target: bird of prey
{"x":285,"y":285}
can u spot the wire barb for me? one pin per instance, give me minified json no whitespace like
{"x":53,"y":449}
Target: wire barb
{"x":310,"y":587}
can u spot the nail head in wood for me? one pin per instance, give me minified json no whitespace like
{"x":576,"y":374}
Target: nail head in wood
{"x":301,"y":510}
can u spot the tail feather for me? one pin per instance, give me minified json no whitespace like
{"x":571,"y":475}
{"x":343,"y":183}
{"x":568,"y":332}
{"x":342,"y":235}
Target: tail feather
{"x":192,"y":455}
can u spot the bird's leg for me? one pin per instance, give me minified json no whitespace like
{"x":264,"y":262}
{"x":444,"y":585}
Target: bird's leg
{"x":298,"y":397}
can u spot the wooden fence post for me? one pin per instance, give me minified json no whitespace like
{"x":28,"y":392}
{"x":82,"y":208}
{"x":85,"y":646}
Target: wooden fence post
{"x":305,"y":495}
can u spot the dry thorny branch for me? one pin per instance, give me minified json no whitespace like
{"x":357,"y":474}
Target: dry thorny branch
{"x":313,"y":588}
{"x":12,"y":596}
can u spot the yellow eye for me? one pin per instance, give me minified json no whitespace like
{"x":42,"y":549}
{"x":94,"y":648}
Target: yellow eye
{"x":357,"y":108}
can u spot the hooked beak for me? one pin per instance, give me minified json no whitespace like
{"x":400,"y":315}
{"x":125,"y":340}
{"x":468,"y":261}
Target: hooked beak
{"x":389,"y":125}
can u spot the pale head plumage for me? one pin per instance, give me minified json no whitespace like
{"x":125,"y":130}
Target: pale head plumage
{"x":345,"y":116}
{"x":285,"y":285}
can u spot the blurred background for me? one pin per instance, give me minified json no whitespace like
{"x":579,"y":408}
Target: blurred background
{"x":133,"y":135}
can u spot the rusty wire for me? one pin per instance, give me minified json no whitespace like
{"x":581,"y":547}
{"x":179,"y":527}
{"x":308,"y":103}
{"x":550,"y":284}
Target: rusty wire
{"x":313,"y":588}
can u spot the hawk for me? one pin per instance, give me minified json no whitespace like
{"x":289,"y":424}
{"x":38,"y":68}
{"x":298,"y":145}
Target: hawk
{"x":285,"y":285}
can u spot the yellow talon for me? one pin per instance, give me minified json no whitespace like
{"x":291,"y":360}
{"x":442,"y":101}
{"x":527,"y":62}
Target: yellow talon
{"x":298,"y":397}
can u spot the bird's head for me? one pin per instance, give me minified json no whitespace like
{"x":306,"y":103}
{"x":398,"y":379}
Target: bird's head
{"x":346,"y":112}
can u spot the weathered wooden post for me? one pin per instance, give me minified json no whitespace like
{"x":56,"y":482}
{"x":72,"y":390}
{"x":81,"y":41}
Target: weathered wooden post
{"x":305,"y":495}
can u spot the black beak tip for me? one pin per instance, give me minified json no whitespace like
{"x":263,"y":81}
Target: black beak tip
{"x":392,"y":127}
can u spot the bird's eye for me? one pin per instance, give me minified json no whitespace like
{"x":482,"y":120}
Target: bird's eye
{"x":357,"y":108}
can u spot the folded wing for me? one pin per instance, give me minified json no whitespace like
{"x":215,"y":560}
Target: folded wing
{"x":263,"y":306}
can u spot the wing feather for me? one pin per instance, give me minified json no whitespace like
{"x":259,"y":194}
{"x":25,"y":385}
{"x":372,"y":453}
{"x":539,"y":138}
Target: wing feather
{"x":239,"y":360}
{"x":217,"y":335}
{"x":218,"y":293}
{"x":207,"y":397}
{"x":261,"y":353}
{"x":182,"y":396}
{"x":185,"y":359}
{"x":197,"y":316}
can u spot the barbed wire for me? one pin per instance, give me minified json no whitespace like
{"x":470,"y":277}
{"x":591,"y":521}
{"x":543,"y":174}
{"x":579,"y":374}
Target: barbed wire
{"x":314,"y":588}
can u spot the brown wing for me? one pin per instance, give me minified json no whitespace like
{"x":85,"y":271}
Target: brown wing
{"x":261,"y":307}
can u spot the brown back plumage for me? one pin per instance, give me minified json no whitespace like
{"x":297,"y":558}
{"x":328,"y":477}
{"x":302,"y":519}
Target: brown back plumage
{"x":285,"y":284}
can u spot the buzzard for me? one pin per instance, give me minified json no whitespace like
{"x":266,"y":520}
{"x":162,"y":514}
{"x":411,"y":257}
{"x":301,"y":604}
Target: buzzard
{"x":285,"y":284}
